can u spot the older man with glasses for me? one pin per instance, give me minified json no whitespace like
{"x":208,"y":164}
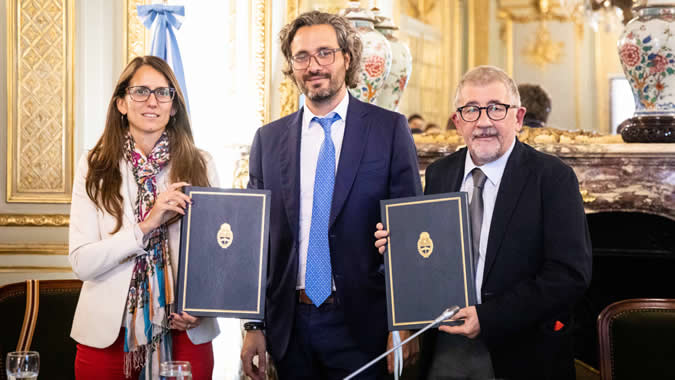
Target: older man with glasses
{"x":529,"y":236}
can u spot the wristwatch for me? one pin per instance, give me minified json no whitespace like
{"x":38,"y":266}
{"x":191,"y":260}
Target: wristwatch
{"x":248,"y":326}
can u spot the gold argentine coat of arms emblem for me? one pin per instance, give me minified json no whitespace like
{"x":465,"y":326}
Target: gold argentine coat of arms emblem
{"x":425,"y":246}
{"x":225,"y":236}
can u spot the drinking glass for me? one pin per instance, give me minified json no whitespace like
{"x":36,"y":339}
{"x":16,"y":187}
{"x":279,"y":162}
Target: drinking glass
{"x":22,"y":365}
{"x":175,"y":370}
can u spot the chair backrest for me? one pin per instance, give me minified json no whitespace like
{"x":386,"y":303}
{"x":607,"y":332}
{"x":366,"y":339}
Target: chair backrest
{"x":37,"y":315}
{"x":637,"y":339}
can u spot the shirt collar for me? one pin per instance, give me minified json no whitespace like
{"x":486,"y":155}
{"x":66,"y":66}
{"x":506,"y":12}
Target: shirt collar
{"x":493,"y":170}
{"x":340,"y":109}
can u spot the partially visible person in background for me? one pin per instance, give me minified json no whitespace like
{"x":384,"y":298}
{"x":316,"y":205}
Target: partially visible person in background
{"x":432,"y":129}
{"x":538,"y":105}
{"x":450,"y":125}
{"x":416,"y":123}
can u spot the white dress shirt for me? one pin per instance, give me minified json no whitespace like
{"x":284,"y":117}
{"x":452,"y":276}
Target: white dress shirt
{"x":310,"y":143}
{"x":493,"y":171}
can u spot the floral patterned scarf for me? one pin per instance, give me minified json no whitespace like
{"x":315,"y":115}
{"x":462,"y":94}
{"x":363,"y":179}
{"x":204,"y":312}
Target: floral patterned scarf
{"x":147,"y":340}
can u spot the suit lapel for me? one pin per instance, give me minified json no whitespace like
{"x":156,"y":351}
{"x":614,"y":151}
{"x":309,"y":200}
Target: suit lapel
{"x":353,"y":145}
{"x":289,"y":163}
{"x":454,"y":182}
{"x":514,"y":179}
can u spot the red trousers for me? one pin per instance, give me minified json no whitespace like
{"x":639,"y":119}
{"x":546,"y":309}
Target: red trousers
{"x":108,"y":363}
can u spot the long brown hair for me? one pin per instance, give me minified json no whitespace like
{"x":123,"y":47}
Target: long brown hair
{"x":104,"y":178}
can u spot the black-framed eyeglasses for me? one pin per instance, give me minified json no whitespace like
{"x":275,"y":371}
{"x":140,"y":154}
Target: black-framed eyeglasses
{"x":142,"y":93}
{"x":495,"y":111}
{"x":323,"y":57}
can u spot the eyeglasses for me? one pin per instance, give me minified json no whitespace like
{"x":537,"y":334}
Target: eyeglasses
{"x":323,"y":57}
{"x":495,"y":111}
{"x":142,"y":93}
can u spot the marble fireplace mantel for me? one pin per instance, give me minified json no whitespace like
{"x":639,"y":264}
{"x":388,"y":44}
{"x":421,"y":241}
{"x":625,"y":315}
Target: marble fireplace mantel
{"x":612,"y":177}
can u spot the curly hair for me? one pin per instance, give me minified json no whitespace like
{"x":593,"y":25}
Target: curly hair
{"x":536,"y":100}
{"x":348,"y":39}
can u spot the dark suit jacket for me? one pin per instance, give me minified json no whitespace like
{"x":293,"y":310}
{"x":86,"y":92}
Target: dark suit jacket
{"x":377,"y":161}
{"x":538,"y":262}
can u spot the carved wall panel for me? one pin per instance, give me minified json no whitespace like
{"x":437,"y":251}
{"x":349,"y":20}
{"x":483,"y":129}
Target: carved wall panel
{"x":262,"y":20}
{"x":40,"y":100}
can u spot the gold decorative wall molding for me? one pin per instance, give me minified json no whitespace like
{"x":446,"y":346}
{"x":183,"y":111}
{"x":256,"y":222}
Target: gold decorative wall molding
{"x":135,"y":34}
{"x":478,"y":32}
{"x":420,"y":9}
{"x":33,"y":269}
{"x":288,"y":91}
{"x":262,"y":18}
{"x":23,"y":220}
{"x":542,"y":50}
{"x":528,"y":11}
{"x":34,"y":249}
{"x":289,"y":97}
{"x":40,"y":68}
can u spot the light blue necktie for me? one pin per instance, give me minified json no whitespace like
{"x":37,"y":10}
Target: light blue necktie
{"x":318,"y":285}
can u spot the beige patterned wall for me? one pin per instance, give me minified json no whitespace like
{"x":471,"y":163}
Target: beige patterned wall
{"x":40,"y":101}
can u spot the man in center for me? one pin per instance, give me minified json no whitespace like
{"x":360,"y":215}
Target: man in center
{"x":328,"y":166}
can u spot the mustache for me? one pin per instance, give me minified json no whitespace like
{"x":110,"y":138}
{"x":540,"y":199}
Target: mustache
{"x":311,"y":76}
{"x":485,"y":132}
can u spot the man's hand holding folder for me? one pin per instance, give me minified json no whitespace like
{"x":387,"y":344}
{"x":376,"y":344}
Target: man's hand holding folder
{"x":470,"y":326}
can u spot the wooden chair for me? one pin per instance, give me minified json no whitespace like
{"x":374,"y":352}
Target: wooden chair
{"x":37,"y":315}
{"x":637,"y":339}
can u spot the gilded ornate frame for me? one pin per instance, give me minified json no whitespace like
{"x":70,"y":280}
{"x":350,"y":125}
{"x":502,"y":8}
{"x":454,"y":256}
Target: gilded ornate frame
{"x":34,"y":249}
{"x":135,"y":34}
{"x":40,"y":101}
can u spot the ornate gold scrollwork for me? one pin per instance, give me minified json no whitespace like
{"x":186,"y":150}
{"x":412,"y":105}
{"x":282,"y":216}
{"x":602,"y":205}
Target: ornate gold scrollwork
{"x":586,"y":196}
{"x":135,"y":33}
{"x":40,"y":83}
{"x":23,"y":220}
{"x":34,"y":249}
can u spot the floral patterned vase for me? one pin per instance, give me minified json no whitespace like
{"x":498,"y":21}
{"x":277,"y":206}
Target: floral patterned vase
{"x":376,"y":56}
{"x":401,"y":67}
{"x":647,"y":54}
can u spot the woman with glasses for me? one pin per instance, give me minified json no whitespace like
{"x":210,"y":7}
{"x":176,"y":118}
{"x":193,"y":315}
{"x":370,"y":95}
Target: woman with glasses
{"x":124,"y":232}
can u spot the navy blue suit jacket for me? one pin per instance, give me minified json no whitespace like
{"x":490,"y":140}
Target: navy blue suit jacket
{"x":537,"y":265}
{"x":377,"y":161}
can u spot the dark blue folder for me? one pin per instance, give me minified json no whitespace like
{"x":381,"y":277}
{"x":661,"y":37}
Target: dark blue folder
{"x":223,"y":253}
{"x":428,"y":262}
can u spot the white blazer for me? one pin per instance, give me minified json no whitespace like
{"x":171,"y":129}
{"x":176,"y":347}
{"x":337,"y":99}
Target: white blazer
{"x":102,"y":260}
